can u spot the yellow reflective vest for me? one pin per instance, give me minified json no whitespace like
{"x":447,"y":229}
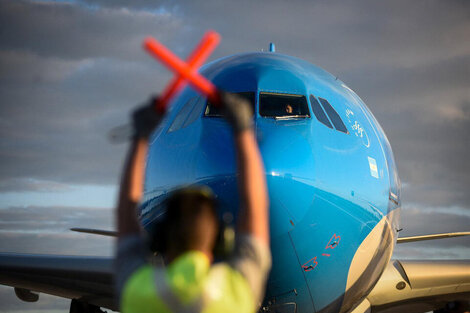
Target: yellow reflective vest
{"x":188,"y":284}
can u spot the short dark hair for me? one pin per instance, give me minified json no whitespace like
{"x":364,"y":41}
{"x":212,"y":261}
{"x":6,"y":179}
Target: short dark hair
{"x":182,"y":227}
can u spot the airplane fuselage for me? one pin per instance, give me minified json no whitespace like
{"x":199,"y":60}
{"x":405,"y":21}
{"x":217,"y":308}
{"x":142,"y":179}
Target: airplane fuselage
{"x":333,"y":186}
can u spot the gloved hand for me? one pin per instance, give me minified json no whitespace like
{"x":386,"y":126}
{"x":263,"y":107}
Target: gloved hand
{"x":145,"y":119}
{"x":237,"y":111}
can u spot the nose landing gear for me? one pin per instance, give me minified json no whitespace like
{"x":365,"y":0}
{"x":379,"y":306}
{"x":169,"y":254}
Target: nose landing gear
{"x":77,"y":306}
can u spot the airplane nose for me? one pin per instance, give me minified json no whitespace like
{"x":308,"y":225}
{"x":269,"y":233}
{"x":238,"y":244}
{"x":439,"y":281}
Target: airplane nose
{"x":286,"y":151}
{"x":289,"y":164}
{"x":288,"y":161}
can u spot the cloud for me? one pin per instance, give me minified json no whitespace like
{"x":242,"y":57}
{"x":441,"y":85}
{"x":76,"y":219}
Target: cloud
{"x":65,"y":82}
{"x":27,"y":68}
{"x":70,"y":31}
{"x":340,"y":35}
{"x":57,"y":131}
{"x":135,"y":4}
{"x":29,"y":184}
{"x":417,"y":252}
{"x":421,"y":220}
{"x":46,"y":230}
{"x":458,"y":112}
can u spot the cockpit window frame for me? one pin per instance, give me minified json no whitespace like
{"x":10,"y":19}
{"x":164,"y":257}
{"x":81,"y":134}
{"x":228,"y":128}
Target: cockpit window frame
{"x":284,"y":117}
{"x":252,"y":99}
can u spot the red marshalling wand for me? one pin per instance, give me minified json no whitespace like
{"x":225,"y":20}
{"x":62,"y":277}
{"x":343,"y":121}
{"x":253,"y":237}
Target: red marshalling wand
{"x":185,"y":71}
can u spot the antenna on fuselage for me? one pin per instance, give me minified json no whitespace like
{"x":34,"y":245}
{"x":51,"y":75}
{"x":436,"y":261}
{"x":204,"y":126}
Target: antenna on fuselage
{"x":272,"y":47}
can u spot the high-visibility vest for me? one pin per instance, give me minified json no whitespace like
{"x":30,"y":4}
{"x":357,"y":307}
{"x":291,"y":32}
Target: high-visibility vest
{"x":189,"y":284}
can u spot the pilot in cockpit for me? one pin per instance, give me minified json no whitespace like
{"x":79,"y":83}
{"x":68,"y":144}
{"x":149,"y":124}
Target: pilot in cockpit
{"x":289,"y":109}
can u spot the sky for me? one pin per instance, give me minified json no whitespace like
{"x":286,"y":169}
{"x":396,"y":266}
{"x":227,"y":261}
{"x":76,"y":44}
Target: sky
{"x":72,"y":70}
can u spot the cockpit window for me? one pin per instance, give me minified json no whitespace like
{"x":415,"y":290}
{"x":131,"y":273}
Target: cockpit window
{"x":318,"y":111}
{"x":182,"y":115}
{"x":334,"y":116}
{"x":283,"y":105}
{"x":214,"y":111}
{"x":196,"y":112}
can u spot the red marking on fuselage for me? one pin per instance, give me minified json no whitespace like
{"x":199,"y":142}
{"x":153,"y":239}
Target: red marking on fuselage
{"x":310,"y":264}
{"x":333,"y":243}
{"x":325,"y":254}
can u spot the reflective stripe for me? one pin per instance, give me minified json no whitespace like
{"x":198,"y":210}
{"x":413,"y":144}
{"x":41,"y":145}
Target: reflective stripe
{"x":168,"y":297}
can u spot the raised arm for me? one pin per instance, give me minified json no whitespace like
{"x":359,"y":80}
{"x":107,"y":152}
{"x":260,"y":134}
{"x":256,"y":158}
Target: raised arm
{"x":145,"y":119}
{"x":254,"y":218}
{"x":130,"y":190}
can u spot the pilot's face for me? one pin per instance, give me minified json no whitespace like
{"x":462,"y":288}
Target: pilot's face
{"x":289,"y":109}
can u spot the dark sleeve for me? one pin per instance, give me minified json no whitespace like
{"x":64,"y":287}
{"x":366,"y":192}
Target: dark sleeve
{"x":252,"y":258}
{"x":131,"y":254}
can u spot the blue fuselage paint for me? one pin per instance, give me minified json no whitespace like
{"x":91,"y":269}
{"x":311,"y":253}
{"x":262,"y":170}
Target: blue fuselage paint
{"x":328,"y":189}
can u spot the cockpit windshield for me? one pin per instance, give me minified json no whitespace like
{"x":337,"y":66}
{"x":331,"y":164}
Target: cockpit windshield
{"x":283,"y":106}
{"x":214,"y":111}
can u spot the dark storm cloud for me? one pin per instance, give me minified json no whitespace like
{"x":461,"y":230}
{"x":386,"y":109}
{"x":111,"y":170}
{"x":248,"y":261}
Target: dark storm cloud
{"x":332,"y":34}
{"x":58,"y":130}
{"x":340,"y":35}
{"x":69,"y":31}
{"x":68,"y":75}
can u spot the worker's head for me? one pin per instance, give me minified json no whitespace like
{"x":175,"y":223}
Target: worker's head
{"x":191,"y":222}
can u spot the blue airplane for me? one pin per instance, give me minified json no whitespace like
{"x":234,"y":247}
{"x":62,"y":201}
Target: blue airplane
{"x":334,"y":196}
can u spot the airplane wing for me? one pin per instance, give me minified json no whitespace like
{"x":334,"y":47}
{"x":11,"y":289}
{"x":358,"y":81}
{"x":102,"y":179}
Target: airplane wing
{"x":420,"y":286}
{"x":432,"y":237}
{"x":84,"y":278}
{"x":93,"y":231}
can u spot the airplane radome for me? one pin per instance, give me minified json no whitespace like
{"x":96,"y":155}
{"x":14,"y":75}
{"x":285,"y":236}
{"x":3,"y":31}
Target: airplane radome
{"x":333,"y":188}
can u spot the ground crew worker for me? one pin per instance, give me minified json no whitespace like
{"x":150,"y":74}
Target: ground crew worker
{"x":189,"y":282}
